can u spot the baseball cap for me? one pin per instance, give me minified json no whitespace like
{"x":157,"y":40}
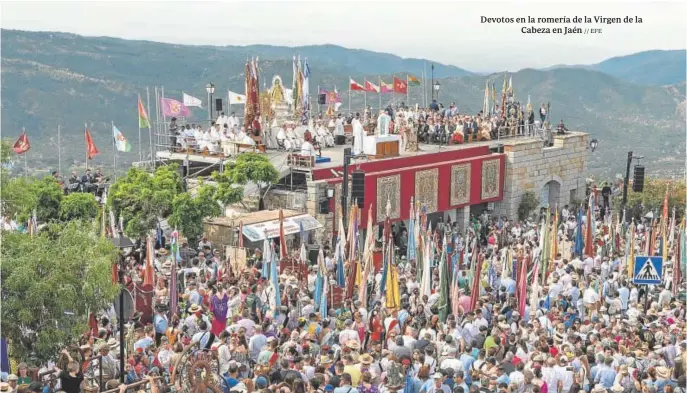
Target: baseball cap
{"x":261,"y":382}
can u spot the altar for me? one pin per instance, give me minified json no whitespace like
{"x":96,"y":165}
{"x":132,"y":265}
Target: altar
{"x":376,"y":147}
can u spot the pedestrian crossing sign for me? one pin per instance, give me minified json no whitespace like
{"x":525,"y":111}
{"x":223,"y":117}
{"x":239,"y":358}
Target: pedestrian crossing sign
{"x":648,"y":270}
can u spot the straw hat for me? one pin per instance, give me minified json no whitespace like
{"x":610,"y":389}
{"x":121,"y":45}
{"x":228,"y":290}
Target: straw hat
{"x":663,"y":372}
{"x":617,"y":388}
{"x":353,"y":344}
{"x":366,"y":359}
{"x":194,"y":309}
{"x":163,"y":252}
{"x":598,"y":388}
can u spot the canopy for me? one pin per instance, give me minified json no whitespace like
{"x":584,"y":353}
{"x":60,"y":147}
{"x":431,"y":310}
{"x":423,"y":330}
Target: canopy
{"x":257,"y":231}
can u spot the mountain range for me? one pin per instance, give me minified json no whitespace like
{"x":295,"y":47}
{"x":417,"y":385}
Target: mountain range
{"x":636,"y":102}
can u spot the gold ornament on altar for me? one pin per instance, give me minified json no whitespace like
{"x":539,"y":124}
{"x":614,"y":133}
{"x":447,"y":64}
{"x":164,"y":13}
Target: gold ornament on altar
{"x":277,"y":91}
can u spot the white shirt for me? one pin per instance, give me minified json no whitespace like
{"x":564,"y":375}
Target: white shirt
{"x":307,"y":149}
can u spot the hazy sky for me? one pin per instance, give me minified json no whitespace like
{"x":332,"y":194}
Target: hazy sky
{"x":448,"y":32}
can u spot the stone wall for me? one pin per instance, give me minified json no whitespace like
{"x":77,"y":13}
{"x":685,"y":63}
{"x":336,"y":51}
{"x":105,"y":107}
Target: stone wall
{"x":530,"y":166}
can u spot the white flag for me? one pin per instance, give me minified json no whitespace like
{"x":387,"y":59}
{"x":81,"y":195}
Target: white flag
{"x":192,"y":101}
{"x":236,"y":99}
{"x":288,"y":96}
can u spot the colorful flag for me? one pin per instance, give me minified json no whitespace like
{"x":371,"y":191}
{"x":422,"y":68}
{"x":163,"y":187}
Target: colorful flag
{"x":355,"y":86}
{"x":664,"y":228}
{"x":236,"y":98}
{"x":22,"y":144}
{"x":400,"y":86}
{"x":371,"y":87}
{"x":190,"y":100}
{"x":91,"y":150}
{"x":413,"y":80}
{"x":306,"y":83}
{"x":174,"y":108}
{"x":143,"y":121}
{"x":386,"y":87}
{"x":120,"y":141}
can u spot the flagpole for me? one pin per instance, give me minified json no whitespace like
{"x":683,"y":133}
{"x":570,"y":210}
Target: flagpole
{"x":365,"y":95}
{"x":424,"y":83}
{"x":140,"y":148}
{"x":164,"y":118}
{"x":85,"y":128}
{"x":26,"y":160}
{"x":380,"y":92}
{"x":157,"y":113}
{"x":150,"y":128}
{"x":59,"y":151}
{"x":407,"y":89}
{"x":114,"y":150}
{"x":349,"y":94}
{"x":229,"y":100}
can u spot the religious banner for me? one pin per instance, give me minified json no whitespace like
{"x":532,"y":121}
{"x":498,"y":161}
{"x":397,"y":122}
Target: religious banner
{"x":427,"y":188}
{"x":491,"y":178}
{"x":237,"y":258}
{"x":460,"y":184}
{"x":388,"y":189}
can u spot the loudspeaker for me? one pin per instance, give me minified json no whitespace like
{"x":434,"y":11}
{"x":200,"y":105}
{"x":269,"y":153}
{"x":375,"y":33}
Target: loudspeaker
{"x":638,"y":180}
{"x":339,"y":139}
{"x":321,"y":99}
{"x":218,"y":104}
{"x":358,"y":187}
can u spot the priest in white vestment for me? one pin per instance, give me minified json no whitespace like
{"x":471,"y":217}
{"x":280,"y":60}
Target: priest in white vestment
{"x":339,"y":126}
{"x":323,"y":137}
{"x":222,"y":119}
{"x":383,"y":122}
{"x":281,"y":137}
{"x":291,"y":136}
{"x":243,"y":138}
{"x":214,"y":138}
{"x":199,"y":136}
{"x":232,"y":120}
{"x":358,"y":135}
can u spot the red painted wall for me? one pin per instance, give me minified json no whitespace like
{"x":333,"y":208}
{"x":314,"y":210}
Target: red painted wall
{"x":403,"y":162}
{"x":407,"y":174}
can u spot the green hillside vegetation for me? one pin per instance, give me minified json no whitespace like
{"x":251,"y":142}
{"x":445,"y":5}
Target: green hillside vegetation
{"x":51,"y":79}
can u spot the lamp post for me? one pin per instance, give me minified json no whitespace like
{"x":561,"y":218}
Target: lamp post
{"x":437,"y":87}
{"x":125,"y":247}
{"x":210,"y":88}
{"x":593,"y":144}
{"x":432,"y":82}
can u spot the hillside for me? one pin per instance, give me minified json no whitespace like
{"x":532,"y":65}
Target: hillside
{"x":654,"y":67}
{"x":51,"y":79}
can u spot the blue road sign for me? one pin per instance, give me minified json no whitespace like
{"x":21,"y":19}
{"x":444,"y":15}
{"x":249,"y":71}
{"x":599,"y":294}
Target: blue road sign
{"x":648,"y":270}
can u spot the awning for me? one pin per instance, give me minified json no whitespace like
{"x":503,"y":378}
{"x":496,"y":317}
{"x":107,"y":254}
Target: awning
{"x":270,"y":229}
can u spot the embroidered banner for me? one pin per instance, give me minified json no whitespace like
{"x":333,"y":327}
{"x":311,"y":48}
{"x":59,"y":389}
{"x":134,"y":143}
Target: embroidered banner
{"x":427,"y":188}
{"x":491,"y":178}
{"x":460,"y":184}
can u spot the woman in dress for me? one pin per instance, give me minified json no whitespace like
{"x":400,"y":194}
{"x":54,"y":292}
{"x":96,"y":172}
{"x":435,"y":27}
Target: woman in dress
{"x":366,"y":385}
{"x":219,"y":309}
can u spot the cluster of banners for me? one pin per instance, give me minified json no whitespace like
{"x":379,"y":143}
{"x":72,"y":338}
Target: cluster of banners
{"x":399,"y":85}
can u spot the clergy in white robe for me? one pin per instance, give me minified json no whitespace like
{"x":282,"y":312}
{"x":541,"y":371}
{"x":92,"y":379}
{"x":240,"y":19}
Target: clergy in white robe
{"x":214,"y":139}
{"x":339,"y":126}
{"x":243,"y":138}
{"x":233,"y":121}
{"x":323,"y":137}
{"x":307,"y":149}
{"x":199,"y":137}
{"x":291,"y":136}
{"x":281,"y":138}
{"x":222,"y":119}
{"x":383,"y":122}
{"x":358,"y":135}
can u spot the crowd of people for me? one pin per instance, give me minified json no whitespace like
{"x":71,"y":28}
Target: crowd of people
{"x":435,"y":124}
{"x":585,"y":328}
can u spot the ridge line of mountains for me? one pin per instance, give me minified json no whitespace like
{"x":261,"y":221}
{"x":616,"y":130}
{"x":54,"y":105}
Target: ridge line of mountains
{"x":634,"y":102}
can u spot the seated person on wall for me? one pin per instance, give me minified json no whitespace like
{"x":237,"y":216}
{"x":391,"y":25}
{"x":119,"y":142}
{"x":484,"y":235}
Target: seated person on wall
{"x":561,"y":128}
{"x":291,"y":136}
{"x":283,"y":139}
{"x":422,"y":131}
{"x":307,"y":148}
{"x":244,"y":137}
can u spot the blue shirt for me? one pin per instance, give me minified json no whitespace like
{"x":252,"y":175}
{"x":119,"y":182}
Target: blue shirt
{"x":160,"y":322}
{"x":346,"y":389}
{"x":503,"y":379}
{"x":229,"y":383}
{"x":606,"y":377}
{"x":467,"y":361}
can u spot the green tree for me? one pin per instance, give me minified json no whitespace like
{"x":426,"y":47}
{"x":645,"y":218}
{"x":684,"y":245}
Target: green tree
{"x":79,"y":206}
{"x":248,"y":167}
{"x":142,"y":198}
{"x":49,"y":284}
{"x":528,"y":203}
{"x":22,"y":195}
{"x":651,"y":198}
{"x":48,"y":198}
{"x":188,"y":212}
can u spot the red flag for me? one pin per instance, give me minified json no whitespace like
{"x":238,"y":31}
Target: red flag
{"x":22,"y":144}
{"x":371,"y":87}
{"x":91,"y":150}
{"x":400,"y":86}
{"x":282,"y":238}
{"x":677,"y":260}
{"x":115,"y":273}
{"x":355,"y":85}
{"x":148,"y":273}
